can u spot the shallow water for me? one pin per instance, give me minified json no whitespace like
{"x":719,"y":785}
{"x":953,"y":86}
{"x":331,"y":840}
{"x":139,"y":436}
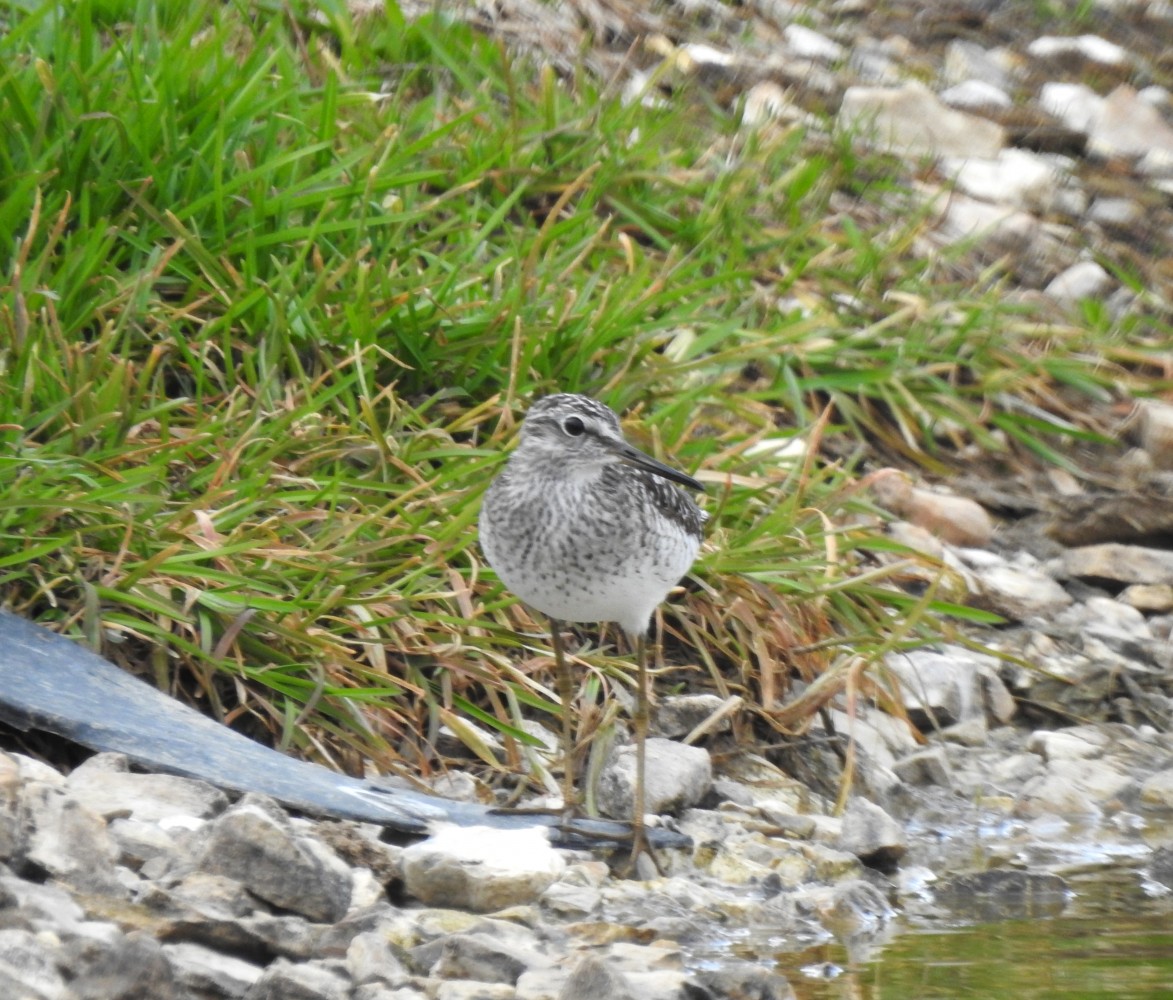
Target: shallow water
{"x":1114,"y":938}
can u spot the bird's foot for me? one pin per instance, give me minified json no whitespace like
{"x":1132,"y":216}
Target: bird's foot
{"x":642,"y":863}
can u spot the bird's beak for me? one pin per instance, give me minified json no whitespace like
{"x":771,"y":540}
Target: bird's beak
{"x":636,"y":457}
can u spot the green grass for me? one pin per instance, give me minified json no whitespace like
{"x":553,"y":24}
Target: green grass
{"x":274,"y":293}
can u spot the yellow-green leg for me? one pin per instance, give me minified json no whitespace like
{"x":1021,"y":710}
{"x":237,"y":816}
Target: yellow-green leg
{"x":639,"y":844}
{"x":566,"y":695}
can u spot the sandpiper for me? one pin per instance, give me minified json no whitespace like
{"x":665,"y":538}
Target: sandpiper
{"x":584,"y":527}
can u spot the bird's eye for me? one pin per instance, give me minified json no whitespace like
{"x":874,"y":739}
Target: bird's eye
{"x":573,"y":426}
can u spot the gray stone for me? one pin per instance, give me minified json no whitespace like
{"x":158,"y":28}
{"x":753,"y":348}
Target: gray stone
{"x":950,"y":685}
{"x":134,"y":969}
{"x":1004,"y":894}
{"x":1072,"y":788}
{"x":486,"y":959}
{"x":28,"y":968}
{"x":1120,"y":563}
{"x":872,"y":835}
{"x":295,"y":873}
{"x":14,"y":821}
{"x":1021,"y":593}
{"x":592,"y":978}
{"x":464,"y":989}
{"x":204,"y":971}
{"x":679,"y":714}
{"x":882,"y":736}
{"x":104,"y":785}
{"x":743,"y":980}
{"x":284,"y":980}
{"x":71,"y":842}
{"x":568,"y":900}
{"x":929,"y":766}
{"x":377,"y":991}
{"x":47,"y":907}
{"x":677,"y":776}
{"x":139,"y":842}
{"x":859,"y":906}
{"x":371,"y":958}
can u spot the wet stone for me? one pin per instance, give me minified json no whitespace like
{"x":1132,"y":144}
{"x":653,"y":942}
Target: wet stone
{"x":872,"y":835}
{"x":1003,"y":894}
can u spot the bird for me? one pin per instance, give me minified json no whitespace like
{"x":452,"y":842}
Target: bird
{"x":584,"y":527}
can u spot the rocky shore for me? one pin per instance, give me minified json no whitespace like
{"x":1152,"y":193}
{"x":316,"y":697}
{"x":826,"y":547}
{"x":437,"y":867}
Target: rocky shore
{"x":1028,"y":746}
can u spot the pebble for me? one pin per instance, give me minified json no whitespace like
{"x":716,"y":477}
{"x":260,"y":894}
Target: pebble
{"x":1090,"y":47}
{"x":1014,"y":177}
{"x":1085,"y":280}
{"x":912,"y":120}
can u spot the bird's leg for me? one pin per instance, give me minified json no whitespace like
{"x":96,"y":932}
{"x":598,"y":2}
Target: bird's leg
{"x":639,"y":842}
{"x":566,"y":694}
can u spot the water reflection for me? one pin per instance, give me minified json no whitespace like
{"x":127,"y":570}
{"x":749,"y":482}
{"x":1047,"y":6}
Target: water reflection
{"x":1113,"y":940}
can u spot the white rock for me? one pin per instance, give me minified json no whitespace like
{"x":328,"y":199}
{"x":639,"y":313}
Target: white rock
{"x":1158,"y":97}
{"x":1156,"y":431}
{"x":1115,"y":212}
{"x":911,"y":119}
{"x":1085,"y":280}
{"x":1091,"y":47}
{"x":1063,"y":745}
{"x":1157,"y":163}
{"x":950,"y":684}
{"x":1122,"y":563}
{"x":1000,"y":227}
{"x":706,"y":55}
{"x":1127,"y":126}
{"x":883,"y":736}
{"x":28,"y":967}
{"x":1071,"y":788}
{"x":976,"y":94}
{"x":148,"y":798}
{"x":811,"y":45}
{"x":481,"y":868}
{"x":1157,"y":789}
{"x":1020,"y":594}
{"x":204,"y":971}
{"x":766,"y":101}
{"x":1076,"y":105}
{"x":1102,"y":614}
{"x":969,"y":61}
{"x":1015,"y":177}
